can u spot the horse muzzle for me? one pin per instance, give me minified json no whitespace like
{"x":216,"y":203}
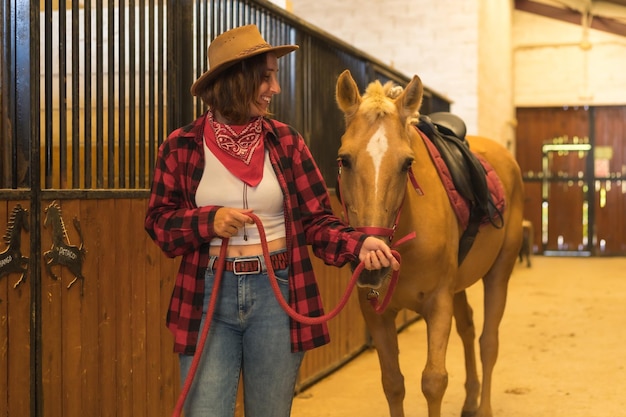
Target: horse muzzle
{"x":371,"y":278}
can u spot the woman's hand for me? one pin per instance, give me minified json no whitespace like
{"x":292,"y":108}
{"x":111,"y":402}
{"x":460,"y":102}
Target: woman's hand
{"x":229,"y":220}
{"x":377,"y":255}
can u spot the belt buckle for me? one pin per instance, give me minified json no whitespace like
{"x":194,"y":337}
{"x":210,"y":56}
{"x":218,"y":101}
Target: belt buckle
{"x":242,"y":260}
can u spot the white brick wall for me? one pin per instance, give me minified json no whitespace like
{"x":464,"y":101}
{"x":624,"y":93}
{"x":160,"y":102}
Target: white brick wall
{"x":438,"y":41}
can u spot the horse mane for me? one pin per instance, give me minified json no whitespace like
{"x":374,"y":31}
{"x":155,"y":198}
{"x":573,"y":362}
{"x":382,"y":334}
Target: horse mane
{"x":378,"y":100}
{"x":11,"y":224}
{"x":59,"y":216}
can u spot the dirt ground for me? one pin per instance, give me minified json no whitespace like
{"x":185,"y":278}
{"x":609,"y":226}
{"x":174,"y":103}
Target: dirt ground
{"x":562,"y":351}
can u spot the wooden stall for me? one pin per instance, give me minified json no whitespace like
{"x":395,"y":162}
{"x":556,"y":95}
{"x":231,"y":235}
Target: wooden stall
{"x":79,"y":134}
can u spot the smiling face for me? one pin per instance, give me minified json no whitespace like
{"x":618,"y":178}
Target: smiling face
{"x":267,"y":89}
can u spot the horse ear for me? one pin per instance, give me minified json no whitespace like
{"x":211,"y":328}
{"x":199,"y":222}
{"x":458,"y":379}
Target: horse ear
{"x":410,"y":101}
{"x":347,"y":94}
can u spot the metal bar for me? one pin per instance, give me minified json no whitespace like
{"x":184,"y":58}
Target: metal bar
{"x":161,"y":117}
{"x":27,"y":111}
{"x":87,"y":180}
{"x":111,"y":97}
{"x":143,"y":183}
{"x":49,"y":148}
{"x":121,"y":97}
{"x":132,"y":137}
{"x":62,"y":95}
{"x":151,"y":92}
{"x":99,"y":95}
{"x":76,"y":94}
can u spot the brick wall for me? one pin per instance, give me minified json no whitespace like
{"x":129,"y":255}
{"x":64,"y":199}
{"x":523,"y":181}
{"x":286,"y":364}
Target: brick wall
{"x":476,"y":52}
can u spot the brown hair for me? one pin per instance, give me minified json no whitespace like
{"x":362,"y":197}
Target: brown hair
{"x":233,"y":92}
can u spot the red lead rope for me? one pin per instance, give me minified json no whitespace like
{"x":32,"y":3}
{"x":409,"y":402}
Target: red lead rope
{"x":285,"y":306}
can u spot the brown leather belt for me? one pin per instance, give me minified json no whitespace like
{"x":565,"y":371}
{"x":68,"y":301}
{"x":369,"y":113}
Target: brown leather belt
{"x":248,"y":265}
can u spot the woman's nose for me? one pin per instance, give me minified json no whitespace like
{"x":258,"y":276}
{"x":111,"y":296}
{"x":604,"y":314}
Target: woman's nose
{"x":275,"y":86}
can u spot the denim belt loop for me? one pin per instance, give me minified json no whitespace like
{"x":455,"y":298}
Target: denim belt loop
{"x":212,"y":259}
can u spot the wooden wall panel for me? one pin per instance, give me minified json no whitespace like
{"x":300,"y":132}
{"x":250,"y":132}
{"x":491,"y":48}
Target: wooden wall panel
{"x":107,"y":352}
{"x":14,"y":329}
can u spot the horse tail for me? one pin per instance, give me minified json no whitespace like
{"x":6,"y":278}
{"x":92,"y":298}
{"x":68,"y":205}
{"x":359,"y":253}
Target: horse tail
{"x":81,"y":248}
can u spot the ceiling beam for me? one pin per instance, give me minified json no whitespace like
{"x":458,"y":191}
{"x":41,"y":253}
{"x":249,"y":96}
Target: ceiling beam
{"x":571,"y":16}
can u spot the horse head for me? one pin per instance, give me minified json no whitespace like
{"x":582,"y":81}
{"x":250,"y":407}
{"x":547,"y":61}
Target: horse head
{"x":375,"y":156}
{"x":53,"y":214}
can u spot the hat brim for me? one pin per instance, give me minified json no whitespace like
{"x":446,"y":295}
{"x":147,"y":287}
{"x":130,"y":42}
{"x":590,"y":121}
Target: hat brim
{"x":209,"y":75}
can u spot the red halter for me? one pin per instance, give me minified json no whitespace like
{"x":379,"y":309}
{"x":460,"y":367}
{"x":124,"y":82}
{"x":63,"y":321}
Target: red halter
{"x":387,"y":232}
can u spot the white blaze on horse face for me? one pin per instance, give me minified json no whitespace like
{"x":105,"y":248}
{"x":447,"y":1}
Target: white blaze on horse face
{"x":377,"y":147}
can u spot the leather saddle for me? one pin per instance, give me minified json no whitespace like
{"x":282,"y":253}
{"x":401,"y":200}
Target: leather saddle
{"x":447,"y":132}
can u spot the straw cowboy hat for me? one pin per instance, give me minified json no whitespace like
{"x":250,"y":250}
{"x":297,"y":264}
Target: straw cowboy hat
{"x":233,"y":46}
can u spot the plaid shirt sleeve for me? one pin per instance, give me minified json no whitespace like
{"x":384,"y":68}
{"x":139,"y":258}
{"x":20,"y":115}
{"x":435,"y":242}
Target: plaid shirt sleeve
{"x":173,"y":220}
{"x":180,"y":228}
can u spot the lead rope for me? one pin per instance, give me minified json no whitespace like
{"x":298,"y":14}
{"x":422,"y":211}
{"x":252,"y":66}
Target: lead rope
{"x":221,"y":262}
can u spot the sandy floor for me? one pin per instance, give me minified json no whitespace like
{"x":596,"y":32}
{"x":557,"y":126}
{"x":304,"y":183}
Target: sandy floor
{"x":562,"y":352}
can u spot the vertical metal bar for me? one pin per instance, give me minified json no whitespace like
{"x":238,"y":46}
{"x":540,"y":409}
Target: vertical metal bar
{"x":48,"y":96}
{"x":87,"y":180}
{"x":8,"y":140}
{"x":160,"y":75}
{"x":76,"y":94}
{"x":99,"y":95}
{"x":151,"y":101}
{"x":62,"y":95}
{"x":111,"y":96}
{"x":131,"y":94}
{"x":121,"y":111}
{"x":180,"y":38}
{"x":142,"y":98}
{"x":28,"y":105}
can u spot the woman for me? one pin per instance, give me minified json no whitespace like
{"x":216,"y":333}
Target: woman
{"x":210,"y":177}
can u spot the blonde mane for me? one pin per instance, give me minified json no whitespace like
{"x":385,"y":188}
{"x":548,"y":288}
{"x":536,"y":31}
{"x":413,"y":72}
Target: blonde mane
{"x":378,"y":101}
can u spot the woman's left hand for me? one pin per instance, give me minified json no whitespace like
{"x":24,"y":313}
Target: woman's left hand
{"x":376,"y":254}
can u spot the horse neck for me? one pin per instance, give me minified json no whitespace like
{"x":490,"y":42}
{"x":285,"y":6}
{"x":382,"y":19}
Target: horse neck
{"x":13,"y":236}
{"x":59,"y":234}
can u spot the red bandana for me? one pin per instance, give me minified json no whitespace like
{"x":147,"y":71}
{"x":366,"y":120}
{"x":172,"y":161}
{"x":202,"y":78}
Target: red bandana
{"x":239,"y":148}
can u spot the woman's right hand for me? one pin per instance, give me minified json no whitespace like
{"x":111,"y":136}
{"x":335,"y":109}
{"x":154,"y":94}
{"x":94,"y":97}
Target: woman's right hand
{"x":229,"y":220}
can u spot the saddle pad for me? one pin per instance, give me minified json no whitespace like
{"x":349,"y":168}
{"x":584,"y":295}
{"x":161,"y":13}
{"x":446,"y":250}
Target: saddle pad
{"x":461,"y":205}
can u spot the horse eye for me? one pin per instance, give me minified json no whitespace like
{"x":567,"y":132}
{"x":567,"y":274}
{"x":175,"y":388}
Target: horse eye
{"x":344,"y":161}
{"x":407,"y":164}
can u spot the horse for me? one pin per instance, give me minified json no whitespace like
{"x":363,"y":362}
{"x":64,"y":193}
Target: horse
{"x":388,"y":183}
{"x":62,"y":252}
{"x":11,"y":259}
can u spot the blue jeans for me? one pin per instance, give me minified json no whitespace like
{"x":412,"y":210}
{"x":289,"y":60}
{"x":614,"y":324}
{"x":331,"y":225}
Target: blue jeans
{"x":249,"y":334}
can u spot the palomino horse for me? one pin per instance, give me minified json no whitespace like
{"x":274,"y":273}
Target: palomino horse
{"x":383,"y":161}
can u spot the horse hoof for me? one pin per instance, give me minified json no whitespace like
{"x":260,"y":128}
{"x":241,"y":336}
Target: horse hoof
{"x":468,"y":414}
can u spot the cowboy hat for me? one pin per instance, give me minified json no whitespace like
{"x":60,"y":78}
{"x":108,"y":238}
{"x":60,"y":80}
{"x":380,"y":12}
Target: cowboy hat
{"x":233,"y":46}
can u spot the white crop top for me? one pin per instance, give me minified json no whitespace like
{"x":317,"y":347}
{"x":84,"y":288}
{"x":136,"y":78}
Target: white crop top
{"x":218,"y":187}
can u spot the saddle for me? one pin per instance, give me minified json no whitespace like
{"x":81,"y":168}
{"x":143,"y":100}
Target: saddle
{"x":447,"y":133}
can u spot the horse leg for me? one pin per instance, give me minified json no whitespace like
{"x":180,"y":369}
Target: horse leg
{"x":382,"y":328}
{"x":19,"y":281}
{"x":463,"y":316}
{"x":438,"y":313}
{"x":77,"y":275}
{"x":49,"y":259}
{"x":495,"y":293}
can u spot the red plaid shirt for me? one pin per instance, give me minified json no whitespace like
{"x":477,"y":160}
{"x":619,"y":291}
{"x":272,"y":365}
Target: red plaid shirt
{"x":180,"y":228}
